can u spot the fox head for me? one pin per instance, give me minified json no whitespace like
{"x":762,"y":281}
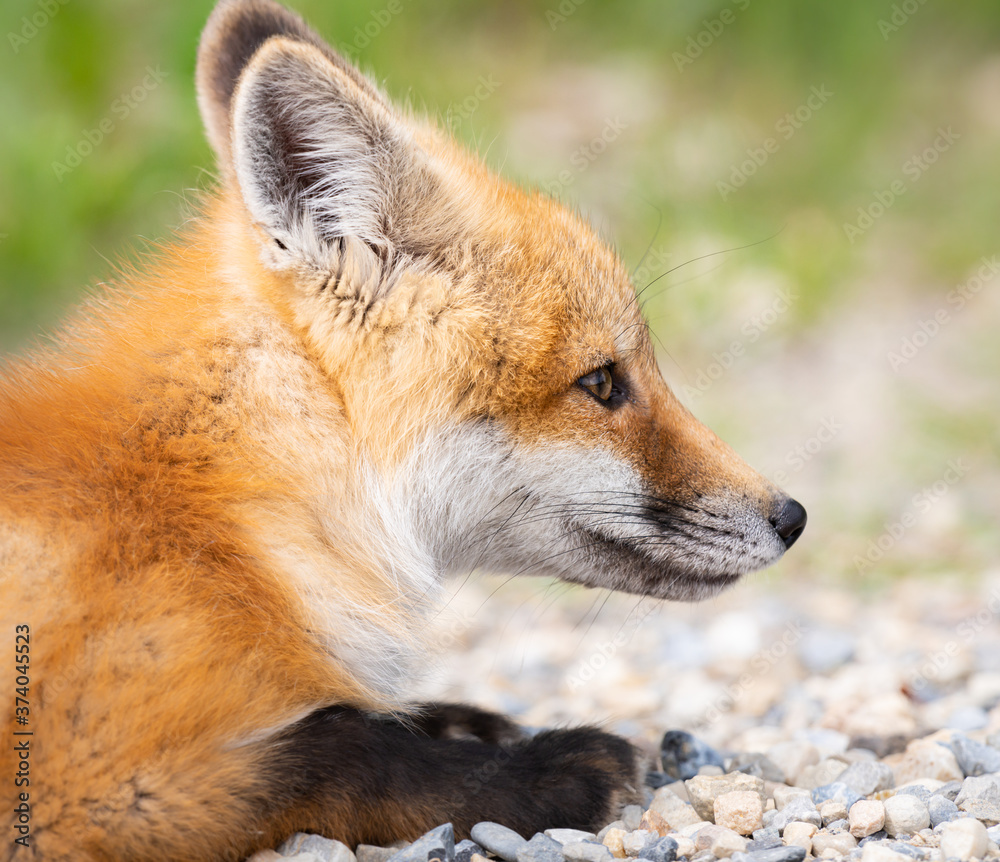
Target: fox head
{"x":484,"y":346}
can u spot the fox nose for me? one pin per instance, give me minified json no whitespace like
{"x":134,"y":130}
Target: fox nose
{"x":790,"y":521}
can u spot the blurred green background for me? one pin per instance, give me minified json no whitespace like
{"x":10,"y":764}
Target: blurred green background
{"x":814,"y":187}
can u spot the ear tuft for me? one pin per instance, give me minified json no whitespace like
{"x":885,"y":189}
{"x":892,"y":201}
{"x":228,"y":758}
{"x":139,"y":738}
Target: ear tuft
{"x":316,"y":157}
{"x":235,"y":32}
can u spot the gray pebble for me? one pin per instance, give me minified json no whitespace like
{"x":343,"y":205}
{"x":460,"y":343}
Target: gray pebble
{"x":499,"y":840}
{"x":980,"y":796}
{"x":756,"y":764}
{"x":439,"y":843}
{"x":867,"y":777}
{"x":465,"y":849}
{"x":766,"y":834}
{"x":874,"y":838}
{"x":791,"y":853}
{"x":631,"y":817}
{"x":857,"y":753}
{"x":684,"y":754}
{"x":541,"y":848}
{"x":968,"y":718}
{"x":906,"y":849}
{"x":836,"y":790}
{"x":974,"y":758}
{"x":756,"y":846}
{"x":922,"y":793}
{"x":324,"y":849}
{"x":585,"y":851}
{"x":881,"y":746}
{"x":942,"y":809}
{"x":835,"y":827}
{"x":373,"y":853}
{"x":799,"y":808}
{"x":949,"y":790}
{"x":703,"y":856}
{"x":662,"y":850}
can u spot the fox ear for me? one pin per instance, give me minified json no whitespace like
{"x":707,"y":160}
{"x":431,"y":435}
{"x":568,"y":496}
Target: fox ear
{"x":236,"y":29}
{"x":317,"y":158}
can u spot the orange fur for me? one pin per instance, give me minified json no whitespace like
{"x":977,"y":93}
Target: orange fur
{"x":198,"y":515}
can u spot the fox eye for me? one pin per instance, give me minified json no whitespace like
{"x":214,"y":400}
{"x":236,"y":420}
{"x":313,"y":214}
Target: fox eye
{"x":598,"y":383}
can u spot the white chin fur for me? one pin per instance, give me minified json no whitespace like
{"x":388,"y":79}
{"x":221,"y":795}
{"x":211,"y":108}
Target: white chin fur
{"x":480,"y":501}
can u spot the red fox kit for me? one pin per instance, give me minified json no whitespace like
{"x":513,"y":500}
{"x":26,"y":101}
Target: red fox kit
{"x":227,"y":499}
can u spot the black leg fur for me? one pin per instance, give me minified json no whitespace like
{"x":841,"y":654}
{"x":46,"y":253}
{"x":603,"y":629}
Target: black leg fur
{"x":372,"y":779}
{"x":461,"y":721}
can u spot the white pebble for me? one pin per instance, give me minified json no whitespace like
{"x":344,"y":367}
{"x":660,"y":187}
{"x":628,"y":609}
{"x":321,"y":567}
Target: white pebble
{"x":925,"y":758}
{"x":635,"y":842}
{"x":800,"y":833}
{"x":840,"y":844}
{"x":685,"y":846}
{"x":824,"y":772}
{"x":792,"y":757}
{"x":693,"y":829}
{"x":875,"y":852}
{"x":905,"y":815}
{"x":568,"y":836}
{"x":728,"y":843}
{"x":783,"y":795}
{"x":674,"y":810}
{"x":964,"y":839}
{"x":703,"y":789}
{"x":832,"y":810}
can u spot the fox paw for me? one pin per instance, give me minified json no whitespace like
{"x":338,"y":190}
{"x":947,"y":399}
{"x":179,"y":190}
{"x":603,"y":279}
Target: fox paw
{"x":578,"y":778}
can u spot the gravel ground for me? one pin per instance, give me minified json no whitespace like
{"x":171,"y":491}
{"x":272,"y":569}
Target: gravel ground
{"x":802,"y":720}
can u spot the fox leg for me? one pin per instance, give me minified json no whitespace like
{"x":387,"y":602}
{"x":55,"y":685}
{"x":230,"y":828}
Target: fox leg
{"x":462,"y":721}
{"x":375,"y":779}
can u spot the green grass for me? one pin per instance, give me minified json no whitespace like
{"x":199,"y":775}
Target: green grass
{"x":889,"y":97}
